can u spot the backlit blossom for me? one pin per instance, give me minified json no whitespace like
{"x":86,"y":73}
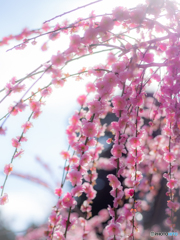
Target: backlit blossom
{"x":85,"y":159}
{"x":21,"y":106}
{"x":114,"y":182}
{"x":169,"y":157}
{"x":172,"y":51}
{"x":81,"y":148}
{"x":117,"y":150}
{"x":149,"y":57}
{"x":34,"y":105}
{"x":3,"y":131}
{"x":90,"y":35}
{"x":15,"y":143}
{"x":173,"y":205}
{"x":102,"y":87}
{"x":90,"y":192}
{"x":58,"y":235}
{"x":117,"y":192}
{"x":117,"y":202}
{"x":75,"y":40}
{"x":171,"y":183}
{"x":89,"y":129}
{"x":106,"y":23}
{"x":77,"y":191}
{"x":110,"y":79}
{"x":94,"y":106}
{"x":58,"y":82}
{"x":118,"y":67}
{"x":18,"y":154}
{"x":134,"y":142}
{"x":18,"y":88}
{"x":90,"y":87}
{"x":113,"y":229}
{"x":70,"y":223}
{"x":68,"y":200}
{"x":8,"y":169}
{"x":46,"y":92}
{"x":21,"y":139}
{"x":120,"y":13}
{"x":54,"y":218}
{"x":36,"y":114}
{"x":129,"y":192}
{"x":75,"y":177}
{"x":97,"y":71}
{"x":26,"y":126}
{"x":119,"y":103}
{"x":81,"y":99}
{"x":111,"y":58}
{"x":65,"y":154}
{"x":58,"y":59}
{"x":73,"y":159}
{"x":4,"y":199}
{"x":137,"y":15}
{"x":13,"y":110}
{"x":58,"y":191}
{"x":45,"y":27}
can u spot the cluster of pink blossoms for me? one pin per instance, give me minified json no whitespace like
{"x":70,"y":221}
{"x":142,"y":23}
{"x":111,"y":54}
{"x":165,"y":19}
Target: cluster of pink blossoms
{"x":146,"y":136}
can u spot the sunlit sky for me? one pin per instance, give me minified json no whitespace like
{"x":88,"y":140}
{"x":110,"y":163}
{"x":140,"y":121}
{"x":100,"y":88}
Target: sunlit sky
{"x":28,"y":202}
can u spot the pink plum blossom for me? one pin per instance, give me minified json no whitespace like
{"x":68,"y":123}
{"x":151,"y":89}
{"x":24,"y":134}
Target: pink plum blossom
{"x":15,"y":143}
{"x":3,"y":131}
{"x":8,"y":169}
{"x":46,"y":92}
{"x":114,"y":182}
{"x":106,"y":24}
{"x":70,"y":223}
{"x":137,"y":15}
{"x":58,"y":59}
{"x":90,"y":87}
{"x":75,"y":177}
{"x":85,"y":159}
{"x":129,"y":192}
{"x":58,"y":82}
{"x":111,"y":58}
{"x":13,"y":110}
{"x":58,"y":191}
{"x":89,"y":129}
{"x":119,"y":103}
{"x":118,"y":67}
{"x":172,"y":183}
{"x":173,"y":205}
{"x":34,"y":106}
{"x":113,"y":229}
{"x":149,"y":57}
{"x":120,"y":13}
{"x":26,"y":126}
{"x":110,"y":79}
{"x":77,"y":191}
{"x":18,"y":154}
{"x":58,"y":236}
{"x":81,"y":100}
{"x":75,"y":40}
{"x":94,"y":106}
{"x":65,"y":154}
{"x":169,"y":157}
{"x":4,"y":199}
{"x":117,"y":150}
{"x":134,"y":142}
{"x":68,"y":201}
